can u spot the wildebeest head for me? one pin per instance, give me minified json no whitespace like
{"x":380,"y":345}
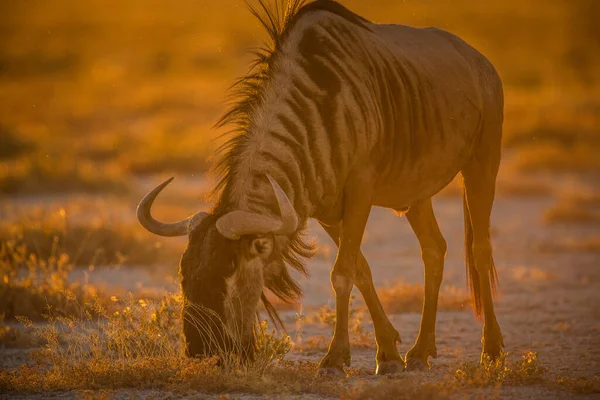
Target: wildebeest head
{"x":228,"y":261}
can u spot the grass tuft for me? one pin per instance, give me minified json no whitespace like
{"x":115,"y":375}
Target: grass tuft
{"x":86,"y":242}
{"x":582,"y":210}
{"x":360,"y":337}
{"x":580,"y":158}
{"x":587,"y":245}
{"x":140,"y":346}
{"x":502,"y":371}
{"x":13,"y":337}
{"x":35,"y":175}
{"x":403,"y":297}
{"x":32,"y":285}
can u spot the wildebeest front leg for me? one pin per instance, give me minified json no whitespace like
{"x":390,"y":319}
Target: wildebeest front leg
{"x":433,"y":251}
{"x":357,"y":205}
{"x":388,"y":359}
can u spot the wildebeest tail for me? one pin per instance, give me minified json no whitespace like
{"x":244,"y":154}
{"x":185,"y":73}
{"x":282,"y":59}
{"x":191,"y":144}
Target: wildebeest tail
{"x":473,"y":280}
{"x":472,"y":274}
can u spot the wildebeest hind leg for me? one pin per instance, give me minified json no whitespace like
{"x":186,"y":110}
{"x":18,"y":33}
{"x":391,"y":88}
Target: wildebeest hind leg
{"x":388,"y":359}
{"x":433,"y":251}
{"x":480,"y":180}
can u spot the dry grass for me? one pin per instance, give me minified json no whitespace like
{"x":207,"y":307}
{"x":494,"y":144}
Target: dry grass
{"x":527,"y":371}
{"x":39,"y":174}
{"x":532,"y":275}
{"x":32,"y":286}
{"x":89,"y":343}
{"x":515,"y":187}
{"x":523,"y":189}
{"x":524,"y":372}
{"x":122,"y":350}
{"x":126,"y":98}
{"x":360,"y":337}
{"x":92,"y":100}
{"x":554,"y":132}
{"x":172,"y":152}
{"x":561,"y":120}
{"x":585,"y":198}
{"x":552,"y":158}
{"x":574,"y":210}
{"x":13,"y":337}
{"x":587,"y":245}
{"x":93,"y":241}
{"x":402,"y":297}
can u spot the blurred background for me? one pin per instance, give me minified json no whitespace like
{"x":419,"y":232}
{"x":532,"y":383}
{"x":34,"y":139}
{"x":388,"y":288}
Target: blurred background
{"x":95,"y":95}
{"x":101,"y":99}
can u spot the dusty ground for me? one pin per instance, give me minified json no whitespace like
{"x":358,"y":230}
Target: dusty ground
{"x":92,"y":100}
{"x":549,"y":300}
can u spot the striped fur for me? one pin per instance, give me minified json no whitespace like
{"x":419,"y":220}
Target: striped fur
{"x":332,"y":93}
{"x":333,"y":89}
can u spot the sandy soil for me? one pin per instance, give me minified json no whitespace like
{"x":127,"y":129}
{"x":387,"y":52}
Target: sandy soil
{"x":549,"y":300}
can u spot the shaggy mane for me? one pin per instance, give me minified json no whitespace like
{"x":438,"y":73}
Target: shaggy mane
{"x":246,"y":92}
{"x":246,"y":95}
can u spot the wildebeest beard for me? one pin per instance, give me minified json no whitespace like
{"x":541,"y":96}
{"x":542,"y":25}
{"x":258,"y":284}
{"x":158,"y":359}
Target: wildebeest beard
{"x":208,"y":260}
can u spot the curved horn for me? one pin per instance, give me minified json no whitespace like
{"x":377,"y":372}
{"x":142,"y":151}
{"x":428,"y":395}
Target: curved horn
{"x":289,"y":218}
{"x":180,"y":228}
{"x":236,"y":224}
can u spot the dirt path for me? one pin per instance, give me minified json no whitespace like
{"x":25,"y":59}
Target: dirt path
{"x":549,"y":300}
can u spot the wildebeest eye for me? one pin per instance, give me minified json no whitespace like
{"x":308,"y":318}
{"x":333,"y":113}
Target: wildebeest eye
{"x":259,"y":246}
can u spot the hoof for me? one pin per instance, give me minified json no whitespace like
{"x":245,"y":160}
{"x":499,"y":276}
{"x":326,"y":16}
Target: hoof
{"x":415,"y":364}
{"x":490,"y":356}
{"x":331,"y":372}
{"x":492,"y":352}
{"x":390,"y":367}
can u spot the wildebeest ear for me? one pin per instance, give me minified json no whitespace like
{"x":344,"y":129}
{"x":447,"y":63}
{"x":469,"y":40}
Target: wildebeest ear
{"x":261,"y":246}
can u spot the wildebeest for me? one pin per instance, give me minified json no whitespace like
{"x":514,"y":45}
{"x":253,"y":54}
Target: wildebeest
{"x":338,"y":115}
